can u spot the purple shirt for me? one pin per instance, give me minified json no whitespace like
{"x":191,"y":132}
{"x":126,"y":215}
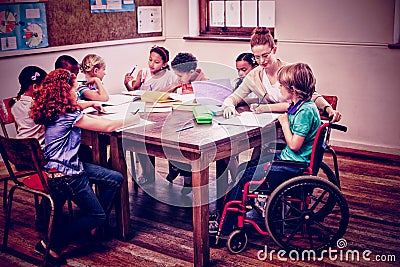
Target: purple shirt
{"x":62,"y":142}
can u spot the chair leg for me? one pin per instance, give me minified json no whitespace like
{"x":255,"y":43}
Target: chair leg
{"x":70,"y":209}
{"x":8,"y":218}
{"x":49,"y":231}
{"x":5,"y":189}
{"x":133,"y":170}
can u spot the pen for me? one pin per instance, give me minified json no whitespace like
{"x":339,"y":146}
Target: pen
{"x":184,"y":128}
{"x":259,"y":102}
{"x":130,"y":74}
{"x":134,"y":113}
{"x":151,"y":88}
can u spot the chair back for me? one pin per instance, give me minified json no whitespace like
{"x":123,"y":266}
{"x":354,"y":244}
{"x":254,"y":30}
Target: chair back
{"x":24,"y":152}
{"x":320,"y":143}
{"x":6,"y":116}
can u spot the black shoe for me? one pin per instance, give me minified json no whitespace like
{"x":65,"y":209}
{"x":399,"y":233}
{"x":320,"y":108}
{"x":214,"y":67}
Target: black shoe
{"x":40,"y":247}
{"x":170,"y":178}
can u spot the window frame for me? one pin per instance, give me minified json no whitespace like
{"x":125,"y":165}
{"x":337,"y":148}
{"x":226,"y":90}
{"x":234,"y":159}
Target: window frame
{"x":207,"y":30}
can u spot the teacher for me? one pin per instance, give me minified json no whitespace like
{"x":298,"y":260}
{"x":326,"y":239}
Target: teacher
{"x":263,"y":81}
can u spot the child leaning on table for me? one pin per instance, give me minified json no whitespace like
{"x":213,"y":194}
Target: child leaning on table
{"x":185,"y":67}
{"x":299,"y":126}
{"x":94,"y":68}
{"x":156,"y":76}
{"x":55,"y":106}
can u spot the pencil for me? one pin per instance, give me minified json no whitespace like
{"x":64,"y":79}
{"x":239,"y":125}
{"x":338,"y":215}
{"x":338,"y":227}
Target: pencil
{"x":134,"y":113}
{"x":259,"y":102}
{"x":185,"y":128}
{"x":134,"y":68}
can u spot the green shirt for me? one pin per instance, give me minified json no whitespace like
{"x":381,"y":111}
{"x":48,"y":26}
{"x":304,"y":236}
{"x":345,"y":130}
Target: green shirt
{"x":305,"y":122}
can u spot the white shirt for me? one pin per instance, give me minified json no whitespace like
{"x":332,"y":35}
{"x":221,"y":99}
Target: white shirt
{"x":26,"y":127}
{"x":273,"y":89}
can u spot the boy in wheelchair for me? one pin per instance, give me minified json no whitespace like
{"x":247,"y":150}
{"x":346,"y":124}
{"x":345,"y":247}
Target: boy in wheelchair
{"x":299,"y":126}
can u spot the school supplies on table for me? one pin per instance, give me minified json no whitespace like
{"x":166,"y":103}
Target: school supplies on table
{"x":216,"y":110}
{"x":185,"y":128}
{"x":202,"y":115}
{"x":212,"y":92}
{"x":134,"y":92}
{"x":183,"y":106}
{"x":154,"y":96}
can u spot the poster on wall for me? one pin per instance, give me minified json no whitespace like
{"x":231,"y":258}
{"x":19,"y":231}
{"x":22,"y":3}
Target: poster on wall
{"x":149,"y":19}
{"x":23,"y":26}
{"x":100,"y":6}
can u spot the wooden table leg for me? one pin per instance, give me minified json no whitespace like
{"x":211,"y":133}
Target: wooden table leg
{"x":200,"y":216}
{"x":122,"y":202}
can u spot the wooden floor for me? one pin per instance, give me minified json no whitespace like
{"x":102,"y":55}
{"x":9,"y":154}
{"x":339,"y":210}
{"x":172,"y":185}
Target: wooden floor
{"x":162,"y":234}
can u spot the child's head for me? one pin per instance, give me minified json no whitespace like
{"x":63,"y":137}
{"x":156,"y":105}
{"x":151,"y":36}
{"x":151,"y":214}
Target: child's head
{"x":263,"y":46}
{"x":68,"y":63}
{"x":158,"y":59}
{"x":296,"y":80}
{"x":30,"y":77}
{"x":245,"y":62}
{"x":94,"y":66}
{"x":184,"y":65}
{"x":55,"y":97}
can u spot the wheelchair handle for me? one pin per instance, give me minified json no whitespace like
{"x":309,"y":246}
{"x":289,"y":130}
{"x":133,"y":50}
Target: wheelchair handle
{"x":338,"y":127}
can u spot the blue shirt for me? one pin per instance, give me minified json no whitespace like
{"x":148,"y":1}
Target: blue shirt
{"x":62,"y":142}
{"x":305,"y":122}
{"x":83,"y":88}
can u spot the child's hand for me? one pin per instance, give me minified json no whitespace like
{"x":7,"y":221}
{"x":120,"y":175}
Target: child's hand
{"x":128,"y":78}
{"x":257,"y":108}
{"x":283,"y":119}
{"x":97,"y":106}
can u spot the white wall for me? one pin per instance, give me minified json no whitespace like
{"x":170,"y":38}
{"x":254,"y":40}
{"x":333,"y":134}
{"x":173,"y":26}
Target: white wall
{"x":343,"y":41}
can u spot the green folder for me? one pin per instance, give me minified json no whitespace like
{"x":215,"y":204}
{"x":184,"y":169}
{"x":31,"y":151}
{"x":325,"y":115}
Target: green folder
{"x":202,"y":115}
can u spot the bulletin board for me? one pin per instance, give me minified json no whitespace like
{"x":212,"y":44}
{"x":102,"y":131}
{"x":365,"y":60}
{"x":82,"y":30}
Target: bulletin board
{"x":23,"y":26}
{"x":71,"y":22}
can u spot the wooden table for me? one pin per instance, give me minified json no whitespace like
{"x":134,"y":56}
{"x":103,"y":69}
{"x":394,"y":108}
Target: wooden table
{"x":198,"y":146}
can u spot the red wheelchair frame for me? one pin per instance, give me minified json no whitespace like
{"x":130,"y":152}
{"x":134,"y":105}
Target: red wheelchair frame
{"x":319,"y":212}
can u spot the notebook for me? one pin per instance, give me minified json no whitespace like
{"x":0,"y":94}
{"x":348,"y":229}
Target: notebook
{"x":212,"y":92}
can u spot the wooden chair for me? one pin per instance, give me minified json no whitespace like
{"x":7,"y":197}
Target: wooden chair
{"x":26,"y":152}
{"x":6,"y":118}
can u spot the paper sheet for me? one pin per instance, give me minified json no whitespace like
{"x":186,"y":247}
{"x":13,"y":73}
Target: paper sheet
{"x":249,"y":119}
{"x":142,"y":122}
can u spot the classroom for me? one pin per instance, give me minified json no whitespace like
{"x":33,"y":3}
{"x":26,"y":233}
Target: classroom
{"x":353,"y":49}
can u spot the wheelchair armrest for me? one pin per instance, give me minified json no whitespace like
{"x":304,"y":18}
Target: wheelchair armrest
{"x":289,"y":164}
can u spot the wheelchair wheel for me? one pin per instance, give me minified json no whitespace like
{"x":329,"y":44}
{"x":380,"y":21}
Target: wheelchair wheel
{"x":307,"y":213}
{"x":326,"y":171}
{"x":237,"y":241}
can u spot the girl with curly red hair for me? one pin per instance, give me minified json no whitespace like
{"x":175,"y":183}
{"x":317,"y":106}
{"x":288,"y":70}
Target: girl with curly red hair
{"x":55,"y":106}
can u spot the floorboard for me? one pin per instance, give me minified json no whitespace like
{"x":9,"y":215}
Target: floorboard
{"x":162,"y":234}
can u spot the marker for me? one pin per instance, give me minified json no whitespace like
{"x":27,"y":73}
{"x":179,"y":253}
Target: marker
{"x":134,"y":113}
{"x":185,"y":128}
{"x":130,"y":74}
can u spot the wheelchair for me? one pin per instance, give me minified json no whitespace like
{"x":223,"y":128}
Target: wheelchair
{"x":305,"y":212}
